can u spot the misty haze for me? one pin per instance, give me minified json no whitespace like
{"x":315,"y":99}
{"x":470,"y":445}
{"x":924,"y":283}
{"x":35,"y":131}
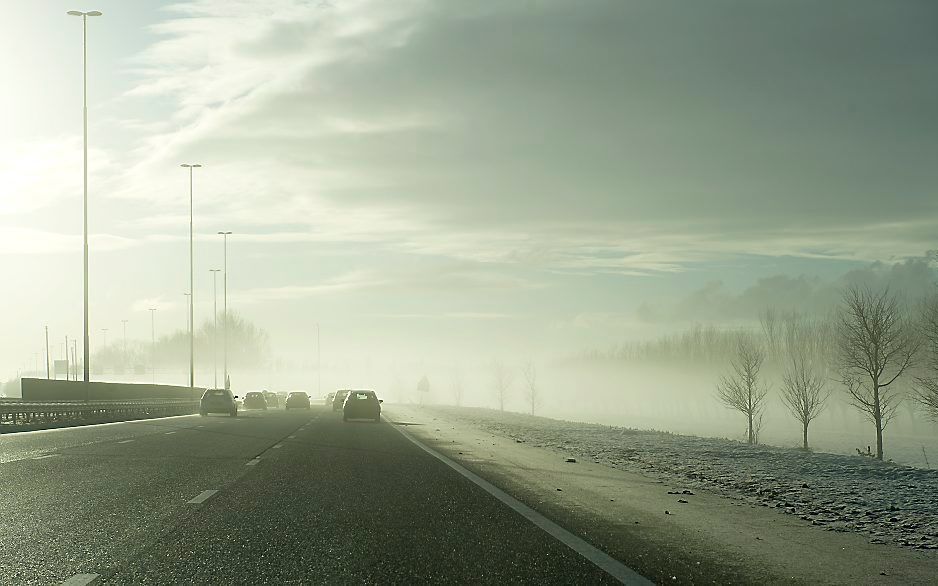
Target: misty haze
{"x":352,"y":291}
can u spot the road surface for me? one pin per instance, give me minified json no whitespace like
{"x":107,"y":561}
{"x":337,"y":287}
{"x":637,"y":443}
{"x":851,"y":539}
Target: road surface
{"x":265,"y":498}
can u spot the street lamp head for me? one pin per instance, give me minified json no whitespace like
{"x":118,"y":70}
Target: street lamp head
{"x":196,"y":166}
{"x":225,"y":233}
{"x":80,"y":13}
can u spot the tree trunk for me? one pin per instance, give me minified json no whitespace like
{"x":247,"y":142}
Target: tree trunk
{"x":806,"y":436}
{"x":878,"y":420}
{"x":750,"y":428}
{"x":879,"y":438}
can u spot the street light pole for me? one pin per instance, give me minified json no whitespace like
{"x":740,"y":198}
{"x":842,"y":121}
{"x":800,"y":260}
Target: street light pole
{"x":104,"y":345}
{"x":225,"y":318}
{"x":153,"y":344}
{"x":188,"y":298}
{"x":191,"y":281}
{"x":215,"y":327}
{"x":84,"y":76}
{"x":124,"y":351}
{"x":318,"y":363}
{"x":48,"y":374}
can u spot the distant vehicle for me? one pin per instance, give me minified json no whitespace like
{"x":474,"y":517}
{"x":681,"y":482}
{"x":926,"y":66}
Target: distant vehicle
{"x":338,"y":399}
{"x":362,"y":405}
{"x":297,"y":400}
{"x":255,"y":400}
{"x":273,"y":400}
{"x":218,"y":401}
{"x":328,"y":398}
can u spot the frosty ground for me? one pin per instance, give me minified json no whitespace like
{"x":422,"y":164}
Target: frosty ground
{"x":885,"y":502}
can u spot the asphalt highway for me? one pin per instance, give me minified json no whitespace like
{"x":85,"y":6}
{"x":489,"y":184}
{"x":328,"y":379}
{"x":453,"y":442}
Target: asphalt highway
{"x":265,"y":498}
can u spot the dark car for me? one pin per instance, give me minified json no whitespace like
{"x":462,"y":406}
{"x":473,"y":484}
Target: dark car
{"x":297,"y":400}
{"x":362,"y":405}
{"x":255,"y":400}
{"x":273,"y":400}
{"x":218,"y":401}
{"x":339,"y":399}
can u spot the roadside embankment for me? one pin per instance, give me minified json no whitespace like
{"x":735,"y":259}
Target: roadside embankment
{"x":690,"y":510}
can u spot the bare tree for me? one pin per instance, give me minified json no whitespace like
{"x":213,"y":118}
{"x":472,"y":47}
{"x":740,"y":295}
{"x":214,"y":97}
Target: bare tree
{"x":804,"y":392}
{"x":529,"y":370}
{"x":742,"y":390}
{"x":771,"y":323}
{"x":503,"y":378}
{"x":877,"y":344}
{"x":457,"y":386}
{"x":926,"y":386}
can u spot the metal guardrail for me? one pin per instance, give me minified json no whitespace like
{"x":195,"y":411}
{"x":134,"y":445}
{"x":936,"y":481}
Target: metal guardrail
{"x":18,"y":412}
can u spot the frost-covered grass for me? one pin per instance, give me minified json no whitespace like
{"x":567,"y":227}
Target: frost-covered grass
{"x":888,"y":502}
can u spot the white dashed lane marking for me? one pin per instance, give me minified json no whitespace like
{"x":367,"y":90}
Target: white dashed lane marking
{"x":44,"y":457}
{"x":253,"y":462}
{"x":169,"y":432}
{"x":125,"y":441}
{"x":81,"y":580}
{"x":202,"y":497}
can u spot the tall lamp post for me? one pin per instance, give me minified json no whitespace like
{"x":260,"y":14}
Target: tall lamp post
{"x":318,"y":363}
{"x":124,"y":345}
{"x":188,"y":299}
{"x":191,"y":280}
{"x":215,"y":327}
{"x":225,"y":235}
{"x":84,"y":77}
{"x":48,"y":373}
{"x":153,"y":343}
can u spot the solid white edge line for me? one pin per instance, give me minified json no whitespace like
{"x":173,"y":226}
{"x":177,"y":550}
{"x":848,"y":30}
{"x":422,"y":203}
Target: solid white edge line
{"x":202,"y":497}
{"x":599,"y":558}
{"x":81,"y":580}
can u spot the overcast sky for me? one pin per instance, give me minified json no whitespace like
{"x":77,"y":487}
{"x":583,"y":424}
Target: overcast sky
{"x":469,"y":177}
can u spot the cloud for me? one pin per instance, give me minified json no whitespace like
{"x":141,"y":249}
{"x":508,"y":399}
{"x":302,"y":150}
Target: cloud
{"x":537,"y":136}
{"x":159,"y":303}
{"x":33,"y":173}
{"x":16,"y":240}
{"x":912,"y":279}
{"x":435,"y":277}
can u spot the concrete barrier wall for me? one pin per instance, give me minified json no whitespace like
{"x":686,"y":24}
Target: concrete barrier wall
{"x":40,"y":389}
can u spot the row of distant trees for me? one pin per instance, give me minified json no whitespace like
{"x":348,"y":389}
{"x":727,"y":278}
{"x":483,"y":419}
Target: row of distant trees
{"x":248,"y":347}
{"x":867,"y":346}
{"x":504,"y":386}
